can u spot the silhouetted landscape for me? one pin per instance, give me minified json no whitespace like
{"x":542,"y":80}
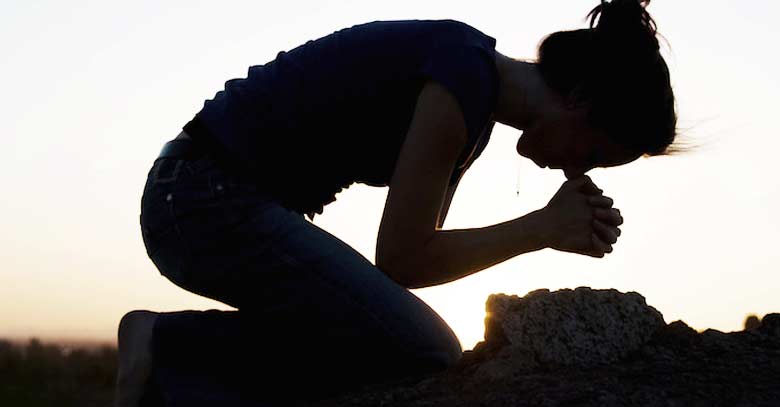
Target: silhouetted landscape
{"x":568,"y":347}
{"x":602,"y":348}
{"x":44,"y":374}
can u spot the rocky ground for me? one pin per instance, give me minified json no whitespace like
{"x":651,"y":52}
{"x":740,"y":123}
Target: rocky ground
{"x":588,"y":347}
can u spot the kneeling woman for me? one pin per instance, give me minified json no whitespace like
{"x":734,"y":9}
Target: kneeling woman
{"x":404,"y":104}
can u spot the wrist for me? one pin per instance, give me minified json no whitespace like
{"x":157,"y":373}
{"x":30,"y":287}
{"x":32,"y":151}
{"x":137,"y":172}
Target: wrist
{"x":539,"y":228}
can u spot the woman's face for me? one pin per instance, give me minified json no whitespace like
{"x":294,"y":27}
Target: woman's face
{"x":562,"y":139}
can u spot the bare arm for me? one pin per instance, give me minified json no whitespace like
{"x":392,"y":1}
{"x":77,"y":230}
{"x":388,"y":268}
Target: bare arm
{"x":452,"y":254}
{"x":411,"y":247}
{"x":578,"y":219}
{"x":418,"y":186}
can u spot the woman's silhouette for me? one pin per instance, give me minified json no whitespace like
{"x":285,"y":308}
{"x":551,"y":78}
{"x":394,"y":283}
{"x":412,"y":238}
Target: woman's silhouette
{"x":405,"y":104}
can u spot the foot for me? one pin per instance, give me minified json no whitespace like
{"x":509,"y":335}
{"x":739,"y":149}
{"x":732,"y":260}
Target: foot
{"x":135,"y":357}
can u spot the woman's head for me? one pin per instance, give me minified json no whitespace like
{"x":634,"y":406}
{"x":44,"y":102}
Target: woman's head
{"x":616,"y":97}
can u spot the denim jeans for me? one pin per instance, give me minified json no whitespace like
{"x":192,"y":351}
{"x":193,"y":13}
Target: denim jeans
{"x":314,"y":317}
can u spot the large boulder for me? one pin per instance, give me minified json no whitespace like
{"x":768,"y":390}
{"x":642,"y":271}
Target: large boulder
{"x":581,"y":327}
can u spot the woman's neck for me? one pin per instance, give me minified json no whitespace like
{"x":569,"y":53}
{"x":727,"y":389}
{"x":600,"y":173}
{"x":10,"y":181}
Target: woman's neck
{"x":521,"y":92}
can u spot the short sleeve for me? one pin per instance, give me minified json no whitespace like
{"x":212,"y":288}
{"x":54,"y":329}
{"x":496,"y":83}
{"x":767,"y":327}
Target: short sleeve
{"x":459,"y":170}
{"x":463,"y":61}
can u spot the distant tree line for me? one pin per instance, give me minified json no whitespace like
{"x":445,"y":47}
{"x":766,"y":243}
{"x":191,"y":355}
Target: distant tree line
{"x":37,"y":374}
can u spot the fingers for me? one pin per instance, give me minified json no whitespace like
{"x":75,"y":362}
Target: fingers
{"x":608,"y":234}
{"x":610,"y":216}
{"x":591,"y":189}
{"x":604,"y":236}
{"x":599,"y":246}
{"x":601,"y":200}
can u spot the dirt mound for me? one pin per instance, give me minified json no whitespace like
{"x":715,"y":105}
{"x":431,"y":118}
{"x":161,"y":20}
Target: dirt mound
{"x":588,"y":347}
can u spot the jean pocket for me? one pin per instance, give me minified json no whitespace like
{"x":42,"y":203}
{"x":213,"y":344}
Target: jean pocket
{"x":167,"y":251}
{"x":156,"y":209}
{"x":210,"y":194}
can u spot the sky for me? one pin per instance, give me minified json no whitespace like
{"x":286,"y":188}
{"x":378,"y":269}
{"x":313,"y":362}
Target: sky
{"x":91,"y":90}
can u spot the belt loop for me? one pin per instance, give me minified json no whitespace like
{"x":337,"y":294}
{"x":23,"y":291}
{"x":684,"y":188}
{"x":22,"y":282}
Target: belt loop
{"x":161,"y":176}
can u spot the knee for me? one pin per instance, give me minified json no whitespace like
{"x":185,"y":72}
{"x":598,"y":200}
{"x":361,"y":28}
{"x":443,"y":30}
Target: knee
{"x":441,"y":353}
{"x":451,"y":351}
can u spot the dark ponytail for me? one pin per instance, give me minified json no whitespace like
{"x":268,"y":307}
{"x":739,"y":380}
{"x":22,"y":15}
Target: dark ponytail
{"x":625,"y":21}
{"x":616,"y":69}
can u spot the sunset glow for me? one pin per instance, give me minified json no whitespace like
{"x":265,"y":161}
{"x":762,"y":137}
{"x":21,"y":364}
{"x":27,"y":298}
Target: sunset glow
{"x":92,"y":91}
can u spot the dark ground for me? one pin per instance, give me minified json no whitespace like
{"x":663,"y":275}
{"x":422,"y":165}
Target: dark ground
{"x":677,"y":367}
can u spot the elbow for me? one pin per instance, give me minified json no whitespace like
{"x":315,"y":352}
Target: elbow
{"x":409,"y":268}
{"x":409,"y":272}
{"x":398,"y":272}
{"x":401,"y":272}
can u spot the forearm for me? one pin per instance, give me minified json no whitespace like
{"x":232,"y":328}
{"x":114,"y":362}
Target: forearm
{"x":452,"y":254}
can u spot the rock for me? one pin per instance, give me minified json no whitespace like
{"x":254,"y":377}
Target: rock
{"x":770,"y":325}
{"x":676,"y":335}
{"x":581,"y":327}
{"x":752,"y":322}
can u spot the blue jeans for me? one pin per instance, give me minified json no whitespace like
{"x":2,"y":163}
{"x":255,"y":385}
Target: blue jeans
{"x":314,"y":317}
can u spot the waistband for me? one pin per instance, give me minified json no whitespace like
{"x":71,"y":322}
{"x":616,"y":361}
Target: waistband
{"x":182,"y":148}
{"x":189,"y":149}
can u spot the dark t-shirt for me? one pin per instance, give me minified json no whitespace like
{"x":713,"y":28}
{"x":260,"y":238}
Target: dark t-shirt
{"x":337,"y":109}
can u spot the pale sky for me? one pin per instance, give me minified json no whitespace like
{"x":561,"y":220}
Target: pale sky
{"x":91,"y":90}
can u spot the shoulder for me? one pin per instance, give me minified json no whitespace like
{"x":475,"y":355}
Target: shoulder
{"x":454,"y":31}
{"x":463,"y":60}
{"x":451,"y":24}
{"x":439,"y":105}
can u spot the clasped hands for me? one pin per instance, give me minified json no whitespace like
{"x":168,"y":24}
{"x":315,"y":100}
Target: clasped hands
{"x":580,"y":219}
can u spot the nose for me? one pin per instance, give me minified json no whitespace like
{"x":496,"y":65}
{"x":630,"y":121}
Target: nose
{"x":571,"y":174}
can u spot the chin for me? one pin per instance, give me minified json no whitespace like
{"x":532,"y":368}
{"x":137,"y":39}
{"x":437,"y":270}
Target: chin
{"x":539,"y":163}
